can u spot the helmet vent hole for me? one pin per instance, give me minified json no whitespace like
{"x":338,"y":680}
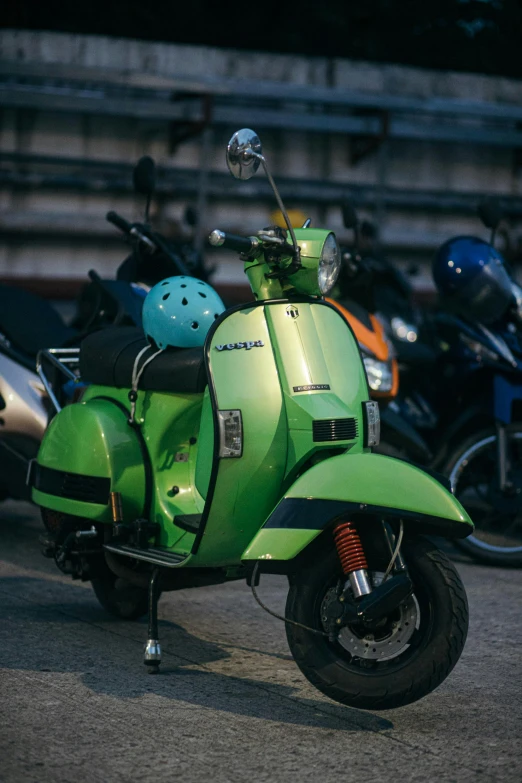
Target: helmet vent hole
{"x":165,"y":296}
{"x":203,"y":295}
{"x":183,"y":285}
{"x":200,"y":282}
{"x":195,"y":325}
{"x":216,"y":315}
{"x":165,"y":283}
{"x":184,"y":301}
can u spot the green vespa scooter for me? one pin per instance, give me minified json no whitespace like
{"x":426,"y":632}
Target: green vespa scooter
{"x":254,"y":455}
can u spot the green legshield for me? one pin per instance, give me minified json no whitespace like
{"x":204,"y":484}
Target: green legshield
{"x":362,"y":484}
{"x":88,"y":451}
{"x":289,"y":378}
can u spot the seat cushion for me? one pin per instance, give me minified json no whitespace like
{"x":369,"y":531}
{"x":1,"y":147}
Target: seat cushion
{"x":31,"y":323}
{"x":107,"y":358}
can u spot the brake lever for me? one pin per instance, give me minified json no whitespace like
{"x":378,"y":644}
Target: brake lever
{"x":137,"y":234}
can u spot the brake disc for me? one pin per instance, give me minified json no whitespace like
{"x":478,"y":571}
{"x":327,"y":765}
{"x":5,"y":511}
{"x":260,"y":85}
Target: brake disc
{"x":386,"y":639}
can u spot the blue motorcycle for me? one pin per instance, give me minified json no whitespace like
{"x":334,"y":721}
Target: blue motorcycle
{"x":479,"y":389}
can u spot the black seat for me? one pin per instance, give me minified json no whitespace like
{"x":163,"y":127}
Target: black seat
{"x":31,"y":323}
{"x":107,"y":358}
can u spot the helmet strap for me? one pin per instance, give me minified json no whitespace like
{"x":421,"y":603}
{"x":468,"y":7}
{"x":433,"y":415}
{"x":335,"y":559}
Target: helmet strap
{"x":137,"y":372}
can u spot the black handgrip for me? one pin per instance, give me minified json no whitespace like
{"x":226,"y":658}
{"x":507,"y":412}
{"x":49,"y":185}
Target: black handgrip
{"x":119,"y":222}
{"x":240,"y":244}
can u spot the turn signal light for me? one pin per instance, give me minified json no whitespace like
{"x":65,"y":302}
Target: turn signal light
{"x":230,"y":434}
{"x":372,"y":421}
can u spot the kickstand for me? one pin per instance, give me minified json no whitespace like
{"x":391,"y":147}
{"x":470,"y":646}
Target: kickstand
{"x":152,"y":657}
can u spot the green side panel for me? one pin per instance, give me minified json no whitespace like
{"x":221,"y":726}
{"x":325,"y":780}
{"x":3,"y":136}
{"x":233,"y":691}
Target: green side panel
{"x":169,"y":424}
{"x":170,"y":427}
{"x":279,"y":544}
{"x":358,"y":478}
{"x":247,"y":488}
{"x":205,"y":448}
{"x":317,"y":348}
{"x":94,"y":439}
{"x":77,"y":508}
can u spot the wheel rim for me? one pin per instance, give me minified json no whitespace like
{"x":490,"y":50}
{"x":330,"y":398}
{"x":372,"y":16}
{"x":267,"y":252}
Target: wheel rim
{"x":497,"y":517}
{"x":393,"y":641}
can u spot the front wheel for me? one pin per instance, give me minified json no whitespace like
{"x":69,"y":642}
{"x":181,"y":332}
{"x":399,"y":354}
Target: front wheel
{"x":401,"y":658}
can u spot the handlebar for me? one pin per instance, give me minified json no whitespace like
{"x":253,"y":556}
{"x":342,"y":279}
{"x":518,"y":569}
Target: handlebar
{"x":240,"y":244}
{"x":119,"y":222}
{"x":151,"y":240}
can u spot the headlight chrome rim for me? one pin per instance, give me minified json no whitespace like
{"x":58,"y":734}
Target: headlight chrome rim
{"x":329,"y":264}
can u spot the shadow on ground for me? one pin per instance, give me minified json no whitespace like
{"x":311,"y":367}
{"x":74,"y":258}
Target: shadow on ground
{"x":79,"y":637}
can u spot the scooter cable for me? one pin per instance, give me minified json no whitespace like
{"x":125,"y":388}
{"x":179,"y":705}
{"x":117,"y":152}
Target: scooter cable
{"x":395,"y":552}
{"x":307,"y":627}
{"x":274,"y":614}
{"x":137,"y":372}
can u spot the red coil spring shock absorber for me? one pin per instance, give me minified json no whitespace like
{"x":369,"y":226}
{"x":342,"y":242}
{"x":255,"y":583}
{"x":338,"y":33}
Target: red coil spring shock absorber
{"x":352,"y":557}
{"x":349,"y":548}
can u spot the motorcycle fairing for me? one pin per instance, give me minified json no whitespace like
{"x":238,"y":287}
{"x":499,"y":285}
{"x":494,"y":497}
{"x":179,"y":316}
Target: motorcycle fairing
{"x":367,"y":484}
{"x":505,"y":393}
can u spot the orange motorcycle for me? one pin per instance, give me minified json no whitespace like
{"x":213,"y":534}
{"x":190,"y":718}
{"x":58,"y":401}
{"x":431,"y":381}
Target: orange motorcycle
{"x":398,"y":438}
{"x":378,"y":354}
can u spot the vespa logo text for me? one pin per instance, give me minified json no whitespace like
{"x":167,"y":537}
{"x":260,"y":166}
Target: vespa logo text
{"x":248,"y":345}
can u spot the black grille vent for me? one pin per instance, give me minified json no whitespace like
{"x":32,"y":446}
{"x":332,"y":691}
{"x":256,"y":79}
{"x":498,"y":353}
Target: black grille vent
{"x":89,"y":489}
{"x":334,"y":429}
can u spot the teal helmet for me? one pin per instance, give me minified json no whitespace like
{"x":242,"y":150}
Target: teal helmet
{"x":179,"y":311}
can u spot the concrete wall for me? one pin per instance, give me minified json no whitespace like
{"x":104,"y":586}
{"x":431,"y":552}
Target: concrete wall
{"x":57,"y":253}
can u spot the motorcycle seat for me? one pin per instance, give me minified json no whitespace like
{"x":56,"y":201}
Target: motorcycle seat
{"x":107,"y":358}
{"x":29,"y":322}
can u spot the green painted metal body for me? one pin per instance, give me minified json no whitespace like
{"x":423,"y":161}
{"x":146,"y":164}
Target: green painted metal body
{"x":94,"y":440}
{"x":280,"y":459}
{"x":392,"y":485}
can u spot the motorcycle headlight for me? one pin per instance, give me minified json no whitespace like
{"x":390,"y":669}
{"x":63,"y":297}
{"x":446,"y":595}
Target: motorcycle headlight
{"x":329,"y":265}
{"x":404,"y":331}
{"x":379,"y":374}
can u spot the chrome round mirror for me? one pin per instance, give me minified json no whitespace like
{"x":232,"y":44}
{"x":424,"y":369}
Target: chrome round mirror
{"x":242,"y":151}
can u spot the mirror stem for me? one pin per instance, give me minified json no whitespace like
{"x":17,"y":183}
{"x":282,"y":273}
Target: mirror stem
{"x":279,"y":201}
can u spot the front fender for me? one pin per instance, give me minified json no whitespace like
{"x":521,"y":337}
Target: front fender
{"x":363,"y":484}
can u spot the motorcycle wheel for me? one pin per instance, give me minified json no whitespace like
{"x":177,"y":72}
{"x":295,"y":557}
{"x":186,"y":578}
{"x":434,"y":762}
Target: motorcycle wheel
{"x":119,"y":597}
{"x":497,"y":516}
{"x":400,"y":660}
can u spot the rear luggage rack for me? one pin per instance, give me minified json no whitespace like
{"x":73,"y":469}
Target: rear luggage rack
{"x":54,"y":363}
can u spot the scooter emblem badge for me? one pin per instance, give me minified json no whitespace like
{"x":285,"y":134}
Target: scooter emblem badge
{"x":248,"y":344}
{"x":292,"y":311}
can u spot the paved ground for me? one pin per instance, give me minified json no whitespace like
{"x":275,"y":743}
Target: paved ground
{"x":76,"y":704}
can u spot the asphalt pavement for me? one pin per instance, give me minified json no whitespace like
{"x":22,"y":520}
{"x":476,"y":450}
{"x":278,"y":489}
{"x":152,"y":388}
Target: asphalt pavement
{"x":77,"y":706}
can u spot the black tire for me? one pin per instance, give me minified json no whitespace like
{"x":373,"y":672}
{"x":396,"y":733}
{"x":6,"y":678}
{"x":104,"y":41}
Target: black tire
{"x":118,"y":597}
{"x":435,"y":646}
{"x":485,"y":544}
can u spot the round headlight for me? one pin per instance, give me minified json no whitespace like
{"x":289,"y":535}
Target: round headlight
{"x":329,"y":264}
